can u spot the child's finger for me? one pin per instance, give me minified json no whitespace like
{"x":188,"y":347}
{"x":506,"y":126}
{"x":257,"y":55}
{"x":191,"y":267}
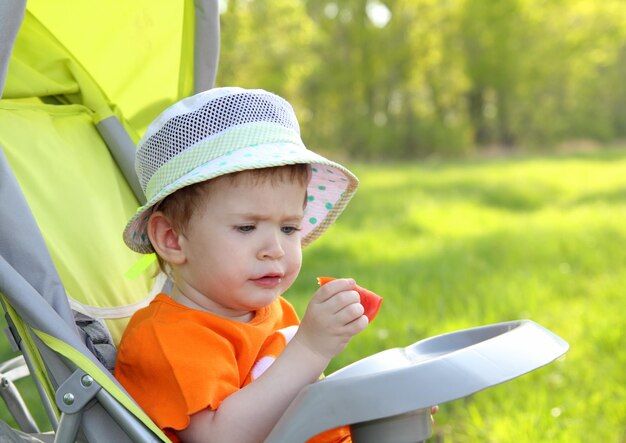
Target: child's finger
{"x":357,"y":325}
{"x":350,"y":312}
{"x":340,"y":300}
{"x":327,"y":291}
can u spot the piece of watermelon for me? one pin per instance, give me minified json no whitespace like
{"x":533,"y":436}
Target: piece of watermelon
{"x":371,"y":302}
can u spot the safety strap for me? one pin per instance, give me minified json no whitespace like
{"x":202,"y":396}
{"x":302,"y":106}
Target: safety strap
{"x":97,"y":339}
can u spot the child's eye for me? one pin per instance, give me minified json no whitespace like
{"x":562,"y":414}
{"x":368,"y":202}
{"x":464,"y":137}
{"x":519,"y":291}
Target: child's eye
{"x":245,"y":228}
{"x":289,"y":229}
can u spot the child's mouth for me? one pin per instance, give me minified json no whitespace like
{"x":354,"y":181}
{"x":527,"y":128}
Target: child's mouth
{"x":268,"y":281}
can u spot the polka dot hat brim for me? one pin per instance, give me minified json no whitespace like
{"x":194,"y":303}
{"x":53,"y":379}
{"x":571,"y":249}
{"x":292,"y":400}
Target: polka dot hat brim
{"x":330,"y":189}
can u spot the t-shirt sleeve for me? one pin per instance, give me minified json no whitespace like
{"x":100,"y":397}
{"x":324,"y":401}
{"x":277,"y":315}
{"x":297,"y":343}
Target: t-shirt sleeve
{"x":175,"y":370}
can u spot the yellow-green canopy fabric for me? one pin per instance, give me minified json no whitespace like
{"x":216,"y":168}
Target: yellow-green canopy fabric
{"x":139,"y":53}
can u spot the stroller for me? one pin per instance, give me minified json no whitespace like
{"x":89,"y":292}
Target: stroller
{"x":68,"y":127}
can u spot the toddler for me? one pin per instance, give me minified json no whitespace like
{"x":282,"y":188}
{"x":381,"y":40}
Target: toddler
{"x":233,"y":195}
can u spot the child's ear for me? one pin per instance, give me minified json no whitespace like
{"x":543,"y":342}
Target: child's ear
{"x":165,"y":239}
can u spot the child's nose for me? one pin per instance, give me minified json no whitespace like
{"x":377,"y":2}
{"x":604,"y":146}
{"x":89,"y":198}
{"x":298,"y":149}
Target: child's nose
{"x":272,"y":248}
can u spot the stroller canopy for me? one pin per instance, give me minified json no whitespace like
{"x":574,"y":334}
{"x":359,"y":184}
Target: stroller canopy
{"x":142,"y":54}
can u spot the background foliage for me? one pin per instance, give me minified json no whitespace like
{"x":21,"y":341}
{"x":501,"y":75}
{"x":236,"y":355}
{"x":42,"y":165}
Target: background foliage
{"x":406,"y":78}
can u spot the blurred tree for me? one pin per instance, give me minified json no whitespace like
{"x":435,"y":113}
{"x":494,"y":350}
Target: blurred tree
{"x":405,"y":78}
{"x":570,"y":49}
{"x":490,"y":32}
{"x":267,"y":44}
{"x":394,"y":83}
{"x":617,"y":100}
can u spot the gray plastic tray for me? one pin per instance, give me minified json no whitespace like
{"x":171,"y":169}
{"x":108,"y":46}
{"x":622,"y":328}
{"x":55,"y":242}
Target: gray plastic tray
{"x":387,"y":397}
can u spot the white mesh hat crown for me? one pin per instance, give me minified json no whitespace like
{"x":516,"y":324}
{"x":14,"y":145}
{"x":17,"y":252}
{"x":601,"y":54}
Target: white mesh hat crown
{"x":225,"y":130}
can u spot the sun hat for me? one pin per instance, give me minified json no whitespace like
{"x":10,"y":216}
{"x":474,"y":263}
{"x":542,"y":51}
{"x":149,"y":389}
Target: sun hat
{"x":225,"y":130}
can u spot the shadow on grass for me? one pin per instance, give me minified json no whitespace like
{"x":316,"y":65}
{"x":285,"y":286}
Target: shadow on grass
{"x":604,"y":155}
{"x":613,"y":197}
{"x":512,"y":185}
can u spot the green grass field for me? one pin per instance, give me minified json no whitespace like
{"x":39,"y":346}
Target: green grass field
{"x":457,"y":245}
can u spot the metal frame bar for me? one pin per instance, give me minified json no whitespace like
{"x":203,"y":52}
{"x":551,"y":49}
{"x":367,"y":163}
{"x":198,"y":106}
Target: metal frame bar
{"x":68,"y":427}
{"x":11,"y":370}
{"x":46,"y":401}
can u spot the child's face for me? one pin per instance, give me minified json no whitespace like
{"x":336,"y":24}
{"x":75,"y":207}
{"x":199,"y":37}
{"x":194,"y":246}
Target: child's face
{"x":242,"y":246}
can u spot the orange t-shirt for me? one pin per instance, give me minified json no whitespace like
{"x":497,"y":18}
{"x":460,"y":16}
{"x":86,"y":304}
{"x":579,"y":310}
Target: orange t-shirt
{"x":176,"y":361}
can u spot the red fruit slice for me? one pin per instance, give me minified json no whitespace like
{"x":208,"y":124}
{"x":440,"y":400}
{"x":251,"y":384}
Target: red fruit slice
{"x":371,"y":302}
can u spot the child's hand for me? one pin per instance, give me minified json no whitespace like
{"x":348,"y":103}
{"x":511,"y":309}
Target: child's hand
{"x":333,"y":316}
